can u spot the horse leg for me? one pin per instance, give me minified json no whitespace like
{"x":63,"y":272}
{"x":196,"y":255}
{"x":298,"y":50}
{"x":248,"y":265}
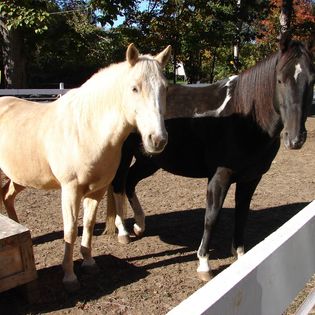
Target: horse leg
{"x":243,"y":196}
{"x":90,"y":204}
{"x":116,"y":205}
{"x":216,"y":193}
{"x":9,"y":191}
{"x":142,"y":168}
{"x":120,"y":204}
{"x":139,"y":216}
{"x":70,"y":199}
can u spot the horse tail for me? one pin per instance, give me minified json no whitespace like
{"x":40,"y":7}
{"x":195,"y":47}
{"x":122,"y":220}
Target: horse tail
{"x":111,"y":211}
{"x":1,"y":193}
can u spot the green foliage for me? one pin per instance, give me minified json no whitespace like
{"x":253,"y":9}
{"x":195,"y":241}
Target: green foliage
{"x":110,"y":10}
{"x":75,"y":47}
{"x":68,"y":40}
{"x":25,"y":14}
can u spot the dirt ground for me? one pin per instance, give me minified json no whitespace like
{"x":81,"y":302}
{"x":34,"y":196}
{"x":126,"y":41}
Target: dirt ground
{"x":155,"y":273}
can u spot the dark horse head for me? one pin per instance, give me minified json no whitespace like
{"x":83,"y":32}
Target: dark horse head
{"x":295,"y":77}
{"x":276,"y":93}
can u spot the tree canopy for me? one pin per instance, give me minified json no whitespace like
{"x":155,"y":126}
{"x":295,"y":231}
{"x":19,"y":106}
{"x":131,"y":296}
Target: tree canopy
{"x":47,"y":41}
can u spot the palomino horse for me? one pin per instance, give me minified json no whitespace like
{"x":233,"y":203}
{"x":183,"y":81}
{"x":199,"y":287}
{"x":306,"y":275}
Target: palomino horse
{"x":237,"y":146}
{"x":74,"y":143}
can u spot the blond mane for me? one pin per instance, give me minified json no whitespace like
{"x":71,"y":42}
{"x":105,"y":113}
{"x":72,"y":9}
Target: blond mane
{"x":89,"y":99}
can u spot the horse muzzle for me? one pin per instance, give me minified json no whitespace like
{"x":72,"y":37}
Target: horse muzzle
{"x":294,"y":143}
{"x":155,"y":143}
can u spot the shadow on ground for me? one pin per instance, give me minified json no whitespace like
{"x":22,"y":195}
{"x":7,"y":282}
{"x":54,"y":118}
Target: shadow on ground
{"x":53,"y":297}
{"x":185,"y":228}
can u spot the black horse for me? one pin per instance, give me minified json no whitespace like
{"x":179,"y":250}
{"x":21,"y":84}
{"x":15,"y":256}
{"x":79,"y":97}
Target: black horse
{"x":238,"y":145}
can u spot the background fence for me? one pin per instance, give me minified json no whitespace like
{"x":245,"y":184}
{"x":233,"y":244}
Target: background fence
{"x":36,"y":94}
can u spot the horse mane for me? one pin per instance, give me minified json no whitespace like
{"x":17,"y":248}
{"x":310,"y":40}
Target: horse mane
{"x":254,"y":92}
{"x":104,"y":88}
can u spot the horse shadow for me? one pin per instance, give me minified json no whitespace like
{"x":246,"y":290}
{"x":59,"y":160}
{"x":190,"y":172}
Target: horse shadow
{"x":53,"y":297}
{"x":99,"y":229}
{"x":184,"y":228}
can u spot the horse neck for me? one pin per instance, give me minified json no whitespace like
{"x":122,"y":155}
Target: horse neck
{"x":97,"y":106}
{"x":254,"y":95}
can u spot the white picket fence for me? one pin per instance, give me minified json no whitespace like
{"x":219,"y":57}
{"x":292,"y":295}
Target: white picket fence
{"x":266,"y":279}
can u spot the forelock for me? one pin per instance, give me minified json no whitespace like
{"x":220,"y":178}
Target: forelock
{"x":149,"y":68}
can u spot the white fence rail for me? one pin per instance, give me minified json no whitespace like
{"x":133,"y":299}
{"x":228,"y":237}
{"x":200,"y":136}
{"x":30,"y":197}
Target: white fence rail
{"x":35,"y":94}
{"x":266,"y":279}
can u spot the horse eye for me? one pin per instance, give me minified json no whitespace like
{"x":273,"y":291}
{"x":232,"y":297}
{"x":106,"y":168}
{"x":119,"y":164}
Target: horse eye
{"x":134,"y":89}
{"x":279,"y":81}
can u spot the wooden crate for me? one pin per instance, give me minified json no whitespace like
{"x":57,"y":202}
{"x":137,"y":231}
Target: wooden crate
{"x":17,"y":266}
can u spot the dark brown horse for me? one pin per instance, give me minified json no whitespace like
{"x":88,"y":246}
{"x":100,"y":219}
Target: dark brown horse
{"x":238,"y":145}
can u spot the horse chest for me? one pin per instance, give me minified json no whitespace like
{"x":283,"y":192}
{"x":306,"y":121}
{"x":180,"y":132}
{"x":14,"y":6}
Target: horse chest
{"x":100,"y":173}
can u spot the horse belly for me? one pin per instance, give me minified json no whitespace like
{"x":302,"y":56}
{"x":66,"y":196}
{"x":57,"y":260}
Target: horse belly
{"x":190,"y":163}
{"x":26,"y":166}
{"x":30,"y":175}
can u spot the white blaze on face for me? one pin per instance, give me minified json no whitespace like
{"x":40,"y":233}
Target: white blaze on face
{"x":218,"y":111}
{"x":298,"y":70}
{"x":150,"y":106}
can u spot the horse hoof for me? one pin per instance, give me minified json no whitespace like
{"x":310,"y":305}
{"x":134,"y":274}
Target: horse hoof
{"x":124,"y":239}
{"x":90,"y":269}
{"x":71,"y":286}
{"x":205,"y":275}
{"x":138,"y":232}
{"x":238,"y":252}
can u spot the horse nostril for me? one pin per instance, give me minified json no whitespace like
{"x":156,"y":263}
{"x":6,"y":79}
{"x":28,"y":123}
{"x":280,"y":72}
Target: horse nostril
{"x":163,"y":142}
{"x":151,"y":138}
{"x":158,"y":142}
{"x":298,"y":142}
{"x":294,"y":142}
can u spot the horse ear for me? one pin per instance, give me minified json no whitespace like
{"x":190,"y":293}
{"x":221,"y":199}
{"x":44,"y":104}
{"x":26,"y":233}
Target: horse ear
{"x":164,"y":56}
{"x":132,"y":55}
{"x":285,"y":39}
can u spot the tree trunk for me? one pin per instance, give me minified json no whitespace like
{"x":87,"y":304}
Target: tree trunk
{"x":214,"y":57}
{"x":174,"y":64}
{"x":237,"y":39}
{"x":285,"y":16}
{"x":14,"y":62}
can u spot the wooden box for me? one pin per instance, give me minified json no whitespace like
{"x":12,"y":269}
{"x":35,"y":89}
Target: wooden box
{"x":17,"y":264}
